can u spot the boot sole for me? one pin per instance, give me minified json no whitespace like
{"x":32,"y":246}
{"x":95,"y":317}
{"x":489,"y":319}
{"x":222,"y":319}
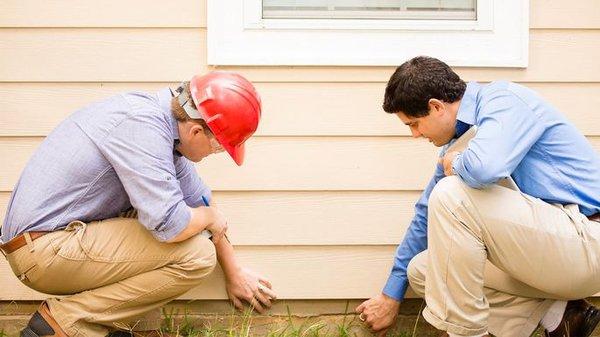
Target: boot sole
{"x":593,"y":323}
{"x":27,"y":332}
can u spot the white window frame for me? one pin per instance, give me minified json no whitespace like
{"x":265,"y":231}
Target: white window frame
{"x":238,"y":35}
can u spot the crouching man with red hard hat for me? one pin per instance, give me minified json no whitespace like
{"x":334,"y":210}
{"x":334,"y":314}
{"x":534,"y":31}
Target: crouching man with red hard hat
{"x":65,"y":232}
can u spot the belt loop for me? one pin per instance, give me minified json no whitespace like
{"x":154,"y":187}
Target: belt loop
{"x":29,"y":242}
{"x":79,"y":227}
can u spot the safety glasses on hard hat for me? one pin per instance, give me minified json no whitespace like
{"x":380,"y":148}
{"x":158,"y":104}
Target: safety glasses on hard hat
{"x":215,"y":146}
{"x":184,"y":100}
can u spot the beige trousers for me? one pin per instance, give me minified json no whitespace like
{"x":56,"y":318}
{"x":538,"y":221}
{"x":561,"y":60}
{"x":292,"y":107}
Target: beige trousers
{"x":114,"y":272}
{"x":498,"y":258}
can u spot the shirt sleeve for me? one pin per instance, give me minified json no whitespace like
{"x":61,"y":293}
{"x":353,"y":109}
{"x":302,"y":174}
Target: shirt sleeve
{"x":506,"y":130}
{"x":192,"y":187}
{"x":415,"y":241}
{"x":140,"y":149}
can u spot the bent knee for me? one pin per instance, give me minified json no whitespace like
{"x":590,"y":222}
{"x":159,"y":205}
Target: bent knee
{"x":416,"y":271}
{"x":417,"y":268}
{"x":447,"y":190}
{"x":201,"y":259}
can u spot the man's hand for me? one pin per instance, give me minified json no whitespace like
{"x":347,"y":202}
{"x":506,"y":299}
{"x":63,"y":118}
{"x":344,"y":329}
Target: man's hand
{"x":379,"y":313}
{"x":446,"y":162}
{"x":202,"y":218}
{"x":251,"y":288}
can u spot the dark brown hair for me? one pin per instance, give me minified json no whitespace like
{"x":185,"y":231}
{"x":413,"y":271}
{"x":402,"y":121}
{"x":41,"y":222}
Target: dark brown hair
{"x":417,"y":81}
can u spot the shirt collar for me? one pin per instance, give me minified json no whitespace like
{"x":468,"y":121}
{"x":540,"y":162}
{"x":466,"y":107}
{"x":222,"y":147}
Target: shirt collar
{"x":164,"y":98}
{"x":467,"y":111}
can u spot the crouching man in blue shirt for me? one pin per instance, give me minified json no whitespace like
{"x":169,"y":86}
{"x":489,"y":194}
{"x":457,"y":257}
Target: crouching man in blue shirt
{"x":63,"y":235}
{"x":487,"y":258}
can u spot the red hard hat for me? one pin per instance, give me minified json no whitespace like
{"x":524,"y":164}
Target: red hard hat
{"x":230,"y":106}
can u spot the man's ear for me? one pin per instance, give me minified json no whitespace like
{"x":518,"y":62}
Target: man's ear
{"x":196,"y":129}
{"x":436,"y":106}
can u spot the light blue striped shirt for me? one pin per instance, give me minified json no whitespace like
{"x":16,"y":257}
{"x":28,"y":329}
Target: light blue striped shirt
{"x":518,"y":135}
{"x":104,"y":159}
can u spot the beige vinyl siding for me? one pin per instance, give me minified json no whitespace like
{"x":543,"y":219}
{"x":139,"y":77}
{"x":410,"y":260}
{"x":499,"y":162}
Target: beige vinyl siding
{"x":324,"y":108}
{"x":330,"y":182}
{"x":295,"y":163}
{"x":311,"y":218}
{"x":192,"y":13}
{"x":297,"y":272}
{"x":170,"y":54}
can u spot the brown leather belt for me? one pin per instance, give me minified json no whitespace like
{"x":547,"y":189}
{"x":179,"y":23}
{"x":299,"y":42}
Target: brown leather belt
{"x":19,"y":242}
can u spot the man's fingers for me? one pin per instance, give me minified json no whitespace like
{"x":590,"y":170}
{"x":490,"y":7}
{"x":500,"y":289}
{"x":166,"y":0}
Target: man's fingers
{"x":262,"y":298}
{"x":256,"y":306}
{"x":447,"y":171}
{"x":265,"y":282}
{"x":216,"y":238}
{"x":360,"y":308}
{"x":267,"y":291}
{"x":377,"y":327}
{"x":237,"y":304}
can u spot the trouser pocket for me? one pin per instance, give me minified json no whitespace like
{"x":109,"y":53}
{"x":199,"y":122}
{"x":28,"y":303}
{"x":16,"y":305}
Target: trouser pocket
{"x":24,"y":263}
{"x":73,"y":248}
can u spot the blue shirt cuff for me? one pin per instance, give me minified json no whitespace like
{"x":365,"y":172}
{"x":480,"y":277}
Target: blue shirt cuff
{"x":177,"y":222}
{"x":396,"y":287}
{"x":459,"y":169}
{"x":197,"y":200}
{"x":455,"y":167}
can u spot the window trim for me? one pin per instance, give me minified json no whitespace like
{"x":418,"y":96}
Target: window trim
{"x":253,"y":20}
{"x":237,"y":36}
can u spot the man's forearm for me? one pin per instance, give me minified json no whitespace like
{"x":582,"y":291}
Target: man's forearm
{"x":200,"y":218}
{"x":226,"y":257}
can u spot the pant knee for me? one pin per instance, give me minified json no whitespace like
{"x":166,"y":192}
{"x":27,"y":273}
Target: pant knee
{"x":447,"y":190}
{"x":201,"y":259}
{"x":448,"y":194}
{"x":416,"y":272}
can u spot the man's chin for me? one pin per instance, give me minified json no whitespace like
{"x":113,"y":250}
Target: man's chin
{"x":442,"y":143}
{"x":195,"y":159}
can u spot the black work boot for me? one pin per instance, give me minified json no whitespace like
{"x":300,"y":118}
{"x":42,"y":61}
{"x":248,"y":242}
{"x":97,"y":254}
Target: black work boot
{"x":43,"y":324}
{"x":579,"y":320}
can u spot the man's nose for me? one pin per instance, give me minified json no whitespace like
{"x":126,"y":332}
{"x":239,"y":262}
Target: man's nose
{"x":416,"y":133}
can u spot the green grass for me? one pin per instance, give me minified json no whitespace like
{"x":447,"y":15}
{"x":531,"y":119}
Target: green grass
{"x":243,"y":325}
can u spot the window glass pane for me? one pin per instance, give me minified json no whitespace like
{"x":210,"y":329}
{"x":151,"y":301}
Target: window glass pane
{"x":370,"y":9}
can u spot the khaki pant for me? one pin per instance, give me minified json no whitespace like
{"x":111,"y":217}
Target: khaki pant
{"x":114,"y":270}
{"x":498,"y":258}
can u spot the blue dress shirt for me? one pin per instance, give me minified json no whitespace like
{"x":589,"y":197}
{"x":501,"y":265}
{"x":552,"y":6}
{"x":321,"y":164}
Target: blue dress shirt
{"x":518,"y":135}
{"x":103,"y":159}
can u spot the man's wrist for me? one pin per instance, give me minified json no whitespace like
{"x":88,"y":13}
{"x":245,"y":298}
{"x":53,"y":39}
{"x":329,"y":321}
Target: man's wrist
{"x":391,"y":301}
{"x":232,"y":273}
